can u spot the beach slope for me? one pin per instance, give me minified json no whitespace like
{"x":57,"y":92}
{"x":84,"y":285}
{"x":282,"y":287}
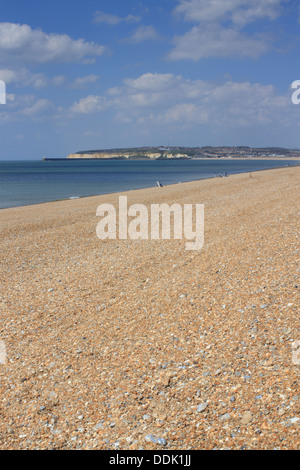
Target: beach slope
{"x":140,"y":344}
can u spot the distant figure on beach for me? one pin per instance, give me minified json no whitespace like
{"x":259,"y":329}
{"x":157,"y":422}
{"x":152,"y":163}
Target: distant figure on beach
{"x":226,"y":174}
{"x":159,"y":184}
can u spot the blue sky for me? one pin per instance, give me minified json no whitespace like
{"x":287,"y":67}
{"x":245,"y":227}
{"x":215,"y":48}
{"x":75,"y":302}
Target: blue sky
{"x":95,"y":74}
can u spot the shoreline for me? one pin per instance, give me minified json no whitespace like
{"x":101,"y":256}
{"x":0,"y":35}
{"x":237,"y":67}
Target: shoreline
{"x":152,"y":187}
{"x":145,"y":344}
{"x":167,"y":159}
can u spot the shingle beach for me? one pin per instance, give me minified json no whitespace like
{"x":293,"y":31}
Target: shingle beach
{"x":141,"y":344}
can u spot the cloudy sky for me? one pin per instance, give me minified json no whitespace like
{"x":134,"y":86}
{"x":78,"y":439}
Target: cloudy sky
{"x":96,"y":74}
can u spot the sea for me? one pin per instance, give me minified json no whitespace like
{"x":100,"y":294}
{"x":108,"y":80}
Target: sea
{"x":26,"y":182}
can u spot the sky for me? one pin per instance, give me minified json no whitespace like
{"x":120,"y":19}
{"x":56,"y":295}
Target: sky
{"x":94,"y":74}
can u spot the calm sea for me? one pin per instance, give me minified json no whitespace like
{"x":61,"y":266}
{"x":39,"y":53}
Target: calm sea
{"x":31,"y":182}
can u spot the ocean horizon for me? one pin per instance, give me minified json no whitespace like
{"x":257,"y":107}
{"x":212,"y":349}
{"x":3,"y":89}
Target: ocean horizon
{"x":27,"y":182}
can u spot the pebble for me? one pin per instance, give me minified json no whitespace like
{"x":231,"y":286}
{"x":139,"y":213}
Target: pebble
{"x":246,"y":418}
{"x":202,"y":407}
{"x":225,"y":417}
{"x":296,"y":353}
{"x":98,"y":362}
{"x":156,"y":440}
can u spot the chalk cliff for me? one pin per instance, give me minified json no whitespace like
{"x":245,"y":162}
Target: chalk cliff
{"x":134,"y":153}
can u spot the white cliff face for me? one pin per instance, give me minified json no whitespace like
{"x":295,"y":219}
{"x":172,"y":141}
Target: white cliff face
{"x":176,"y":155}
{"x":103,"y":155}
{"x":153,"y":155}
{"x":91,"y":155}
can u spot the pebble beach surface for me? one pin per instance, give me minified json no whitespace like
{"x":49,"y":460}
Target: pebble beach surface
{"x":141,"y":344}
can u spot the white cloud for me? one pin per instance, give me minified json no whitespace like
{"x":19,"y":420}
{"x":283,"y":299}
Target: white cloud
{"x":218,"y":30}
{"x":90,"y":104}
{"x":184,"y":113}
{"x":143,"y":33}
{"x":82,"y":81}
{"x":101,"y":17}
{"x":19,"y":107}
{"x":157,"y":102}
{"x":148,"y":90}
{"x":238,"y":11}
{"x":165,"y":99}
{"x":22,"y":44}
{"x":201,"y":42}
{"x":22,"y":77}
{"x":150,"y":82}
{"x":39,"y":108}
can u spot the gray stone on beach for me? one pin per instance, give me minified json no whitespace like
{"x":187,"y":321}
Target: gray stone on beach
{"x":225,"y":417}
{"x":202,"y":407}
{"x":99,"y":426}
{"x":156,"y":440}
